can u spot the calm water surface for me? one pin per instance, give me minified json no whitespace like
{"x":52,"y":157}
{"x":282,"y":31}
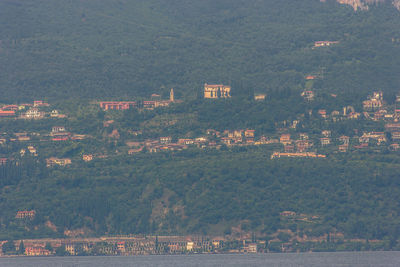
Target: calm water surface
{"x":384,"y":259}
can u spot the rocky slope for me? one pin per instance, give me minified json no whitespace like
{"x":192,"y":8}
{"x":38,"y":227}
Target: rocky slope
{"x":364,"y":4}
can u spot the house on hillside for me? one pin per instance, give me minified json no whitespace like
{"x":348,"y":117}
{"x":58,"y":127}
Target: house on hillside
{"x":325,"y":43}
{"x":303,"y":136}
{"x":215,"y":91}
{"x":87,"y":157}
{"x":285,"y":139}
{"x":7,"y":113}
{"x":260,"y":97}
{"x":325,"y":141}
{"x":375,"y":101}
{"x":344,"y":139}
{"x":22,"y":214}
{"x":343,"y":147}
{"x":308,"y":95}
{"x":50,"y":162}
{"x":33,"y":113}
{"x":326,"y":133}
{"x":322,"y":113}
{"x":249,"y":133}
{"x":57,"y":129}
{"x":303,"y":145}
{"x":40,"y":103}
{"x":10,"y":107}
{"x":165,"y":140}
{"x":135,"y":150}
{"x":117,"y":105}
{"x":395,"y":135}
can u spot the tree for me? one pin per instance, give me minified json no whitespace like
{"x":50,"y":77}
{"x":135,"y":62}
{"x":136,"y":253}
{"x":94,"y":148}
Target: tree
{"x":21,"y":249}
{"x":49,"y":247}
{"x":60,"y":251}
{"x":9,"y":247}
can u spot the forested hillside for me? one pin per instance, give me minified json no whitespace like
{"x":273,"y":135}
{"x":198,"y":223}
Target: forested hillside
{"x":71,"y":166}
{"x":206,"y":193}
{"x":126,"y":49}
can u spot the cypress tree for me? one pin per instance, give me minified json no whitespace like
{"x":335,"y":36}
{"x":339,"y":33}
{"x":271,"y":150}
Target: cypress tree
{"x":21,"y":249}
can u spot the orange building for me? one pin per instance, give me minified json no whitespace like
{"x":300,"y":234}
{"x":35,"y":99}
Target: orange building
{"x":285,"y":139}
{"x":7,"y":113}
{"x":249,"y":133}
{"x":87,"y":157}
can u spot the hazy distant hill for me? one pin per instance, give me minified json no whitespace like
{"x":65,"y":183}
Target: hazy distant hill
{"x":121,"y":49}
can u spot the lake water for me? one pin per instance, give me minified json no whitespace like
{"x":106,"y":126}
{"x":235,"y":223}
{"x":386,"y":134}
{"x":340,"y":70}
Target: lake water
{"x":342,"y":259}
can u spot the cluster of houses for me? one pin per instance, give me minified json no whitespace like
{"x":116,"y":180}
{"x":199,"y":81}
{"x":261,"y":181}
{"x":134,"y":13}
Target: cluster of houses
{"x":29,"y":111}
{"x":325,"y":43}
{"x":54,"y":161}
{"x":58,"y":133}
{"x":301,"y":146}
{"x":236,"y":242}
{"x":155,"y":102}
{"x":374,"y":108}
{"x":132,"y":245}
{"x":213,"y":139}
{"x":25,"y":214}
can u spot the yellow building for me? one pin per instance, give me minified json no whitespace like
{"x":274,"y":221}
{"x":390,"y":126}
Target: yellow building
{"x":50,"y":162}
{"x":171,"y":95}
{"x":260,"y":97}
{"x":70,"y":248}
{"x":217,"y":91}
{"x":189,"y":246}
{"x":87,"y":157}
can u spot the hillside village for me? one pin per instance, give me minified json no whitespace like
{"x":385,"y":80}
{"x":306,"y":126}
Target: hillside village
{"x":288,"y":141}
{"x":187,"y":127}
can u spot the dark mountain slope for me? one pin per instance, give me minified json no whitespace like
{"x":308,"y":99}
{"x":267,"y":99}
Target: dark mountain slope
{"x":124,"y":49}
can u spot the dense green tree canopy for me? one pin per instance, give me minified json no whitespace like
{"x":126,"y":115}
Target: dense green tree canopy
{"x":124,"y":49}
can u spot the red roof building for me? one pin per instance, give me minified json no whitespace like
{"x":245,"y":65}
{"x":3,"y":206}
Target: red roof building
{"x":392,"y":127}
{"x":7,"y":113}
{"x":394,"y":147}
{"x":285,"y":139}
{"x":249,"y":133}
{"x":10,"y":107}
{"x":343,"y":148}
{"x":61,"y":138}
{"x":40,"y":103}
{"x":322,"y":112}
